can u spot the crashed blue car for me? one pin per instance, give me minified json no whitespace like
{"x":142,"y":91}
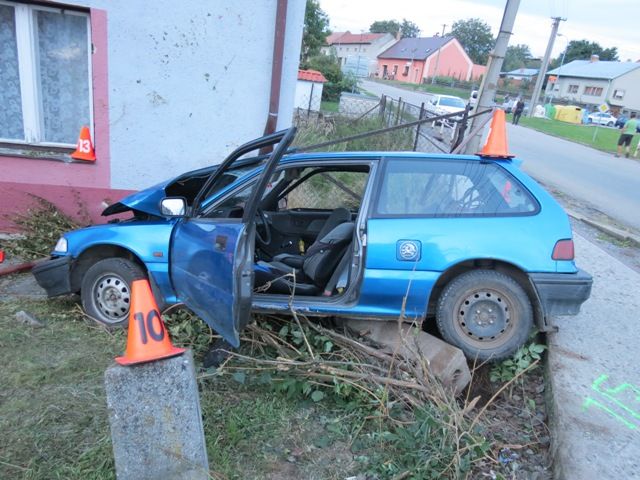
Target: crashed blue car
{"x":468,"y":242}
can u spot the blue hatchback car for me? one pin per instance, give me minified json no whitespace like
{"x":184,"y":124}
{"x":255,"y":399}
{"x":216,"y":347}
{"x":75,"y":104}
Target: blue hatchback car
{"x":469,"y":242}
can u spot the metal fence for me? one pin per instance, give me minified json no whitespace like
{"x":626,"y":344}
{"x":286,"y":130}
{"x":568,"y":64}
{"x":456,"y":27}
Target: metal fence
{"x":405,"y":126}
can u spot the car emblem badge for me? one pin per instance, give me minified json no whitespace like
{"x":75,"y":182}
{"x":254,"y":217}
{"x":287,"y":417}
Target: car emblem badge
{"x":408,"y":250}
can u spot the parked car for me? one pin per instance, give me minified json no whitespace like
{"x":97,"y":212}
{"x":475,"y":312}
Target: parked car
{"x":622,"y":119}
{"x":473,"y":99}
{"x":600,"y":118}
{"x":445,"y":104}
{"x":471,"y":243}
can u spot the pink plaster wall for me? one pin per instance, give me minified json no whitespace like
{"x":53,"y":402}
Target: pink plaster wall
{"x":50,"y":179}
{"x":478,"y":71}
{"x":413,"y":77}
{"x":453,"y":62}
{"x":82,"y":204}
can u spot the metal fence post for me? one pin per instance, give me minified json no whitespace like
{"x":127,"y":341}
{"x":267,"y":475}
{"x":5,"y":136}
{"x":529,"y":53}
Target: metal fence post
{"x":415,"y":142}
{"x":383,"y":106}
{"x":398,"y":111}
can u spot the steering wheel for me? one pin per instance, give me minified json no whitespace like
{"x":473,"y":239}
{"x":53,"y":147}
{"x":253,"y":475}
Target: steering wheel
{"x":262,"y":223}
{"x":471,"y":199}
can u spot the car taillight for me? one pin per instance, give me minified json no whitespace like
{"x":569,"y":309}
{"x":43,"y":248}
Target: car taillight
{"x":563,"y":250}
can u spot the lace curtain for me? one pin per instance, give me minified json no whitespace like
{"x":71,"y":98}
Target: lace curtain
{"x":64,"y":75}
{"x":10,"y":102}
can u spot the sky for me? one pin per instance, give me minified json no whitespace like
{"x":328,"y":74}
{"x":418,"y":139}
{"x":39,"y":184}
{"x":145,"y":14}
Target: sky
{"x":611,"y":23}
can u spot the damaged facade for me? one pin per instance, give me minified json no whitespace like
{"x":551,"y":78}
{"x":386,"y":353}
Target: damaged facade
{"x":163,"y":91}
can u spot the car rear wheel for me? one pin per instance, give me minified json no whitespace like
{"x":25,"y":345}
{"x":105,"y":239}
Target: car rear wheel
{"x":486,"y":314}
{"x":106,"y":290}
{"x":610,"y":124}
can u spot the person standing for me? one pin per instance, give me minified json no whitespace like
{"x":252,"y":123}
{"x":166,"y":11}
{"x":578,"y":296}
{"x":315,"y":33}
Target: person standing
{"x":626,"y":136}
{"x":517,"y":112}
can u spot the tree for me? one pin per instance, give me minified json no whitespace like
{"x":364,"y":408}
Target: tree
{"x":407,"y":28}
{"x":385,"y":26}
{"x":476,"y":38}
{"x":517,"y":56}
{"x":582,"y":50}
{"x":337,"y":82}
{"x":316,"y":29}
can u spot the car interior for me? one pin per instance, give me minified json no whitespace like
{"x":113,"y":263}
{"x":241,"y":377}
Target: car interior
{"x":305,"y":228}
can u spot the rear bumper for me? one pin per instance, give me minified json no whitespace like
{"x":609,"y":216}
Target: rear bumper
{"x":54,"y":275}
{"x":562,"y":293}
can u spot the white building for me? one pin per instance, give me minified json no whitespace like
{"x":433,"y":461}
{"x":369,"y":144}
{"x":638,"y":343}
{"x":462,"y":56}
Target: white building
{"x":309,"y":90}
{"x":164,"y":87}
{"x":593,"y":82}
{"x":358,"y":52}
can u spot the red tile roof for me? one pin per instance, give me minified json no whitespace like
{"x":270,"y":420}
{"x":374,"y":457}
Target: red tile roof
{"x":331,"y":39}
{"x":311,"y":76}
{"x":353,"y":38}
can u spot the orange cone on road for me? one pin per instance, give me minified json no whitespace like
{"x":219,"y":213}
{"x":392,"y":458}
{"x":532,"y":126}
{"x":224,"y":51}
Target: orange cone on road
{"x":496,"y":145}
{"x":148,"y":340}
{"x":84,"y":148}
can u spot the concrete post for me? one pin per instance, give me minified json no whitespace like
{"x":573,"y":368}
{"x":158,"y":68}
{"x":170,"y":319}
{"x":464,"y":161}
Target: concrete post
{"x":156,"y":423}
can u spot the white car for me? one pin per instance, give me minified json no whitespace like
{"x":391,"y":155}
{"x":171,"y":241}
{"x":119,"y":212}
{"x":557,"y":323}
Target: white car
{"x":602,"y":119}
{"x":445,"y":104}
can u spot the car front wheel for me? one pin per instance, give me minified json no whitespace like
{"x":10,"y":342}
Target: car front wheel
{"x":106,"y":290}
{"x":486,"y":314}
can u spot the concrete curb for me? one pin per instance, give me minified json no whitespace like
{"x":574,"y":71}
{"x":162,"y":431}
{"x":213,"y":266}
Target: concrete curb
{"x":614,"y":232}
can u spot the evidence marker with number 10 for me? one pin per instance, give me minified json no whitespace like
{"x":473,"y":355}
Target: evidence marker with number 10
{"x":148,"y":339}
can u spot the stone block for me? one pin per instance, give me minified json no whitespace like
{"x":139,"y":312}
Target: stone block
{"x":156,"y":422}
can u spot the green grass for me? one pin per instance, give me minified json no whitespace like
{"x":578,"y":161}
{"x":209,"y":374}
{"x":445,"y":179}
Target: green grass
{"x":606,"y":139}
{"x":327,"y":106}
{"x":427,"y":87}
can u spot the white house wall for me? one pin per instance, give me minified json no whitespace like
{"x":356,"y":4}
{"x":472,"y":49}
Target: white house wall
{"x":630,"y":83}
{"x":304,"y":92}
{"x":189,"y":81}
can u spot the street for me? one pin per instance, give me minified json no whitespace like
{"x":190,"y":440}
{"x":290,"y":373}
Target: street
{"x":594,"y":178}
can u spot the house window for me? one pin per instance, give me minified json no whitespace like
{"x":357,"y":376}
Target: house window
{"x":572,"y":89}
{"x":405,"y":72}
{"x":593,"y":91}
{"x":618,"y":94}
{"x":45,"y":75}
{"x":395,"y":70}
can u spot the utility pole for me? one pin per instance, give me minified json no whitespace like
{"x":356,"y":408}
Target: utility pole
{"x":435,"y":72}
{"x":545,"y":64}
{"x":489,"y":83}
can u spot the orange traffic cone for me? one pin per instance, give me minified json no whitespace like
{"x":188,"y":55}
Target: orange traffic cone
{"x":147,"y":340}
{"x":496,"y":145}
{"x":84,"y":149}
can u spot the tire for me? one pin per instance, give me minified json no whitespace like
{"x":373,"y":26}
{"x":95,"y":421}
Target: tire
{"x":500,"y":312}
{"x":106,"y":290}
{"x":610,"y":124}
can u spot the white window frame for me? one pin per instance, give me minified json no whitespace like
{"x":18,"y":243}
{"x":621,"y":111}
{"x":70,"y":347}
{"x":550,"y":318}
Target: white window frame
{"x":28,"y":68}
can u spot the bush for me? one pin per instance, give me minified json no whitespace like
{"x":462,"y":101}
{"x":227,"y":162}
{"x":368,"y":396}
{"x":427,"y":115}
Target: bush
{"x":337,"y":82}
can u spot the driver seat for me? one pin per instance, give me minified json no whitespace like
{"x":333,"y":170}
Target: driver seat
{"x":337,"y":216}
{"x":318,"y":265}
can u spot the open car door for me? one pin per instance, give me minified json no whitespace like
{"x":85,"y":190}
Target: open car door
{"x":211,"y":259}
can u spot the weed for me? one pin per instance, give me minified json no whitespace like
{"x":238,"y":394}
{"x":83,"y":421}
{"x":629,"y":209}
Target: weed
{"x":40,"y":226}
{"x":508,"y":369}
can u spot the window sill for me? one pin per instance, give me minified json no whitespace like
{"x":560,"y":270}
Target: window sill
{"x":60,"y":154}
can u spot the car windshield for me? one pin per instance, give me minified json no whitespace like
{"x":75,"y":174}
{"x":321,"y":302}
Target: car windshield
{"x":452,"y":102}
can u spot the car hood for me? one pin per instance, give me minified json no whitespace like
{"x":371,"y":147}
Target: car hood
{"x":148,"y":200}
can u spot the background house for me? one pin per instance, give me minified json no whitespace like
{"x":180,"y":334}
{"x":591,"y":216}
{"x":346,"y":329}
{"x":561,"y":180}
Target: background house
{"x":357,"y":52}
{"x":163,"y":92}
{"x":593,"y":82}
{"x":309,"y":90}
{"x":521,"y":74}
{"x":414,"y":59}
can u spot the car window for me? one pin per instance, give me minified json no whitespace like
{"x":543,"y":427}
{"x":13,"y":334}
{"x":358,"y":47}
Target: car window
{"x":452,"y":102}
{"x":326,"y":190}
{"x":449,"y":188}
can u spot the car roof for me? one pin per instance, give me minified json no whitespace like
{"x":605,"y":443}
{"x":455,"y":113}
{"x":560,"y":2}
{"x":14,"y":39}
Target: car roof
{"x":296,"y":157}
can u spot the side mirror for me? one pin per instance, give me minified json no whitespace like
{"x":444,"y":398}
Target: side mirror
{"x":173,"y":207}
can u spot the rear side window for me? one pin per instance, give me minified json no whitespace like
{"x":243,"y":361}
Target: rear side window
{"x":436,"y":188}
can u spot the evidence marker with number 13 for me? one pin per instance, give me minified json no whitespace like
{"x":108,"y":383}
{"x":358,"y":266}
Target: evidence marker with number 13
{"x":84,"y":148}
{"x":147,"y":340}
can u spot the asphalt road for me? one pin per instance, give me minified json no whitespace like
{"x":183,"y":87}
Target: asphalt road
{"x":596,"y":179}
